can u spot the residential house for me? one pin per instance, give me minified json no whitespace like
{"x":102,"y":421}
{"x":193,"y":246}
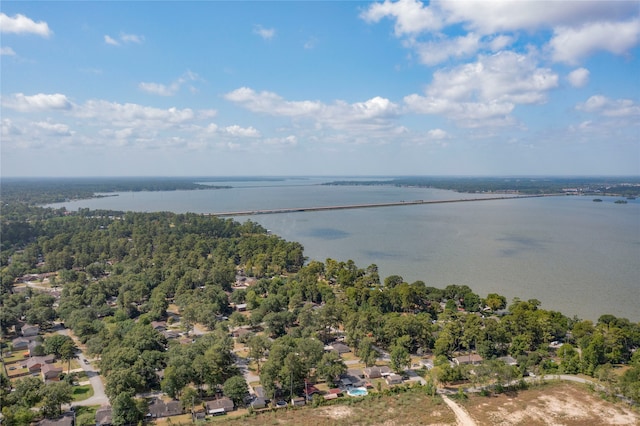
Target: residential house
{"x":30,"y":330}
{"x":471,"y":359}
{"x":241,"y":331}
{"x":259,"y":391}
{"x":50,"y":372}
{"x":298,"y":401}
{"x":340,"y":348}
{"x":394,"y":379}
{"x":219,"y":406}
{"x":67,"y":419}
{"x":160,"y":408}
{"x":104,"y":416}
{"x":20,"y":343}
{"x":159,"y":325}
{"x":35,"y":364}
{"x":241,"y":307}
{"x":310,"y":390}
{"x":376,"y":372}
{"x":258,"y":403}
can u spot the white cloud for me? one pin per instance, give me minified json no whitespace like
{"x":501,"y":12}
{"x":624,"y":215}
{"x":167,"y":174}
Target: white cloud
{"x":171,"y":89}
{"x":412,"y":17}
{"x":580,"y":28}
{"x":579,"y":77}
{"x":110,"y":40}
{"x":374,"y":113}
{"x":236,"y":130}
{"x":435,"y":52}
{"x":40,"y":102}
{"x":7,"y":51}
{"x":132,"y":38}
{"x":485,"y":92}
{"x":271,"y":103}
{"x":124,"y":38}
{"x":437,"y":134}
{"x":57,"y":129}
{"x":502,"y":77}
{"x":573,"y":44}
{"x":265,"y":33}
{"x":20,"y":24}
{"x":609,"y":107}
{"x":493,"y":16}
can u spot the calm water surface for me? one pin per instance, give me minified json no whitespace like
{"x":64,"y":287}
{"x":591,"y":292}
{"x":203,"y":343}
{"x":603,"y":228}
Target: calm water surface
{"x":576,"y":256}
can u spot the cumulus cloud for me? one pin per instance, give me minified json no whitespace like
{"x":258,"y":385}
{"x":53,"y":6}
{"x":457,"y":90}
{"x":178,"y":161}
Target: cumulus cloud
{"x":435,"y":52}
{"x":7,"y":51}
{"x":124,"y":38}
{"x":579,"y":77}
{"x":265,"y":33}
{"x":57,"y":129}
{"x":570,"y":44}
{"x":487,"y":90}
{"x":411,"y":16}
{"x":168,"y":90}
{"x":373,"y":113}
{"x":271,"y":103}
{"x":236,"y":130}
{"x":487,"y":17}
{"x":437,"y":134}
{"x":579,"y":28}
{"x":603,"y":105}
{"x":20,"y":24}
{"x":40,"y":102}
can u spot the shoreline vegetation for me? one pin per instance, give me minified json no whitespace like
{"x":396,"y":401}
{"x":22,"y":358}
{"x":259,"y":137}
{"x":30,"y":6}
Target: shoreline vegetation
{"x":194,"y":307}
{"x":42,"y":191}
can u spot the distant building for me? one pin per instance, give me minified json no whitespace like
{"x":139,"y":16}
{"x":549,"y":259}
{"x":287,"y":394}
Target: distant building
{"x":104,"y":416}
{"x":394,"y":379}
{"x":471,"y":359}
{"x":219,"y":406}
{"x":30,"y":330}
{"x":159,"y":409}
{"x":50,"y":372}
{"x":376,"y":372}
{"x":67,"y":419}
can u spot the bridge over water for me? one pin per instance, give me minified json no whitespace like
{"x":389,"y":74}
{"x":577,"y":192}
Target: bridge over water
{"x":372,"y":205}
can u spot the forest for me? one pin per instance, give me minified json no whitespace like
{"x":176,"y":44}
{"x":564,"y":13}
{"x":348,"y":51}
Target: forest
{"x":114,"y":274}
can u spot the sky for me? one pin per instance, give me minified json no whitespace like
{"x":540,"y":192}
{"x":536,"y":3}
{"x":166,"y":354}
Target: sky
{"x":352,"y":88}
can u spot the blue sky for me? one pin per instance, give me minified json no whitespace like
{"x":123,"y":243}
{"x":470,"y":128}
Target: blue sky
{"x":320,"y":88}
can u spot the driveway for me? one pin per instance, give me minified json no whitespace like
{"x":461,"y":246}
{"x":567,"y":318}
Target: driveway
{"x":99,"y":397}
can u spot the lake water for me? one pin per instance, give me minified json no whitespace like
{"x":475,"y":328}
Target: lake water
{"x":574,"y":255}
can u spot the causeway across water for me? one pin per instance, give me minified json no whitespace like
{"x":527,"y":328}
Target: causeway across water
{"x":372,"y":205}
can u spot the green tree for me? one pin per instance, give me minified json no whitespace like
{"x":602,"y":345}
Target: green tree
{"x":236,"y":388}
{"x":125,"y":410}
{"x":331,"y":367}
{"x":258,"y":345}
{"x":400,"y":358}
{"x":53,"y":396}
{"x":367,"y":352}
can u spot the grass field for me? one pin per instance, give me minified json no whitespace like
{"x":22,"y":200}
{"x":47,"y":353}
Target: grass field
{"x":80,"y":393}
{"x":552,"y":403}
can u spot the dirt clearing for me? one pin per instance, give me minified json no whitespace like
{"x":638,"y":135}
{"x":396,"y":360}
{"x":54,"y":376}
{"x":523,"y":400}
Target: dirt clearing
{"x":554,"y":404}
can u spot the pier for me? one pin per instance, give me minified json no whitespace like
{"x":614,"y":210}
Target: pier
{"x":371,"y":205}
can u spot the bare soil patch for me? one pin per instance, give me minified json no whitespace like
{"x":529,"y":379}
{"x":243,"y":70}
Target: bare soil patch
{"x":553,"y":404}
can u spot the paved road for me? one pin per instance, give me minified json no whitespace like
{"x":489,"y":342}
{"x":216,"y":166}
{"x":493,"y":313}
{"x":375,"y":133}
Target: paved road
{"x":99,"y":397}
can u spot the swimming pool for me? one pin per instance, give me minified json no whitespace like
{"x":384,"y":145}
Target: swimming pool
{"x":357,"y":392}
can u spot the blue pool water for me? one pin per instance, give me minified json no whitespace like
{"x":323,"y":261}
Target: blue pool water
{"x":357,"y":392}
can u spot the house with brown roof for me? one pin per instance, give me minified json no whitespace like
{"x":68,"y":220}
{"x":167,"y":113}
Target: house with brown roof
{"x":160,"y":408}
{"x":67,"y":419}
{"x":471,"y":359}
{"x":219,"y":406}
{"x":394,"y":379}
{"x":50,"y":372}
{"x":376,"y":372}
{"x":35,"y":364}
{"x":104,"y":416}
